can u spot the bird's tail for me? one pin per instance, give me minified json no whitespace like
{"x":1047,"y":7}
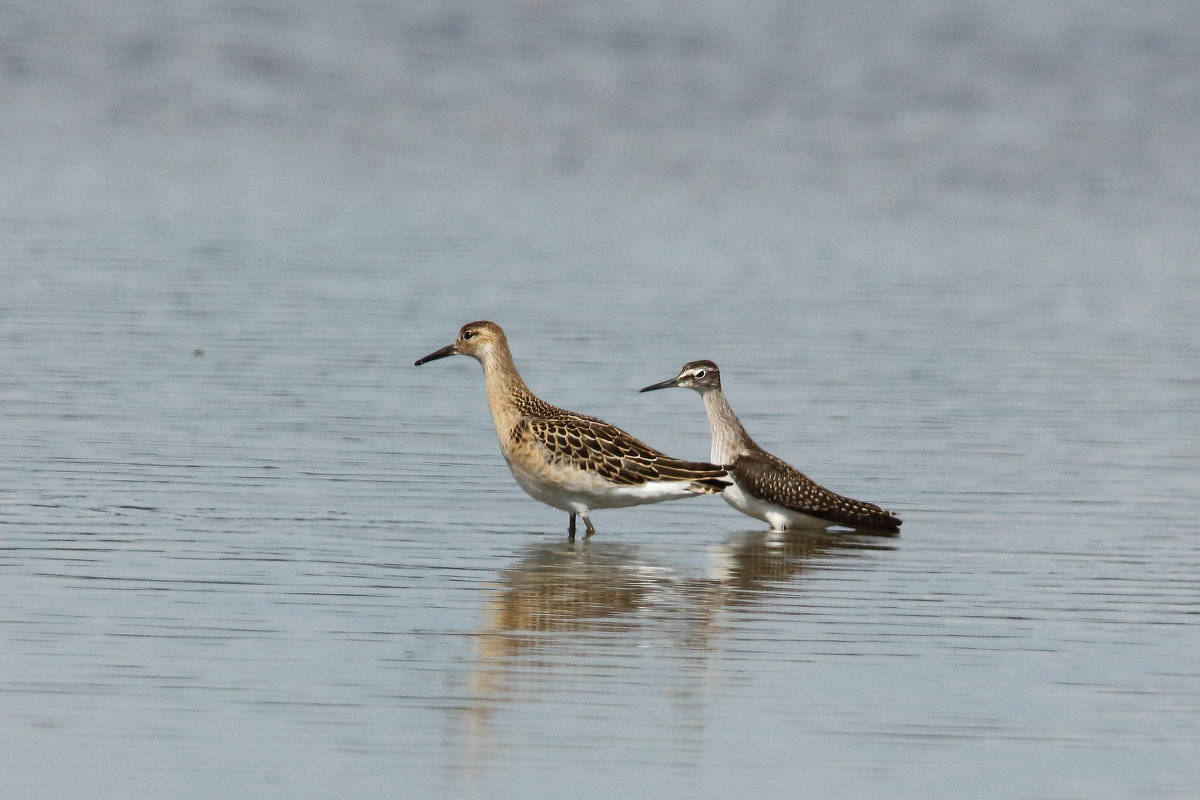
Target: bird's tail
{"x":705,"y":478}
{"x":711,"y":485}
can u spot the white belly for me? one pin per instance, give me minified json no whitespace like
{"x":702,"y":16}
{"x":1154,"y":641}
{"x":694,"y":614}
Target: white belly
{"x":577,"y":491}
{"x":778,"y":517}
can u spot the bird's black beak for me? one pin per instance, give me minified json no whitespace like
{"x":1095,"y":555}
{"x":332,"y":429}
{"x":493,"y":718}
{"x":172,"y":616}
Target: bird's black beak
{"x":661,"y":385}
{"x":448,"y":350}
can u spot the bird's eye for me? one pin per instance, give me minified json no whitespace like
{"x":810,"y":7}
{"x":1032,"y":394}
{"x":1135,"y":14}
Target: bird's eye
{"x":468,"y":335}
{"x":700,"y":373}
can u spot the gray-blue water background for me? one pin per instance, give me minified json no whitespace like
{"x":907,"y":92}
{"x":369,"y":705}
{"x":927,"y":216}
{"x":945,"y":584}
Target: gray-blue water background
{"x":945,"y":253}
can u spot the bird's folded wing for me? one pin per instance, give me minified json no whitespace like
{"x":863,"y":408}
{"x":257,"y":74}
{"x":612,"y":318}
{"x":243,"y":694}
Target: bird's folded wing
{"x":595,"y":445}
{"x":775,"y":481}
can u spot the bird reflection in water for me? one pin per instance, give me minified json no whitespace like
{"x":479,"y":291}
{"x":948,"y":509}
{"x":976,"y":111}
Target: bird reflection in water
{"x":552,"y":610}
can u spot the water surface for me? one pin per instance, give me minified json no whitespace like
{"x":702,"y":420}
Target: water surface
{"x":945,"y":256}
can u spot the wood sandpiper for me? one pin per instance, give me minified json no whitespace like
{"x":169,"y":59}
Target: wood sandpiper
{"x":571,"y":461}
{"x":765,"y":486}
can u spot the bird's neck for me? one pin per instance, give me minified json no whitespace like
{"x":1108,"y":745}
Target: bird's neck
{"x":509,"y":398}
{"x":729,"y":438}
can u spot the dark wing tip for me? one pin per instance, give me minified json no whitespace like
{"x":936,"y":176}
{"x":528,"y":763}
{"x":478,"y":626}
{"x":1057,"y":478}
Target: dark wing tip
{"x":712,"y":485}
{"x":884,"y":524}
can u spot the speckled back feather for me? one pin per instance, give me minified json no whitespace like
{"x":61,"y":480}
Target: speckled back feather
{"x":774,"y":480}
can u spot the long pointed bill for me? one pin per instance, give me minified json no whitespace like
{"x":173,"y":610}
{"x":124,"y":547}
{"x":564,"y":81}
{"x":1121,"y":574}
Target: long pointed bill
{"x":661,"y":385}
{"x":448,"y":350}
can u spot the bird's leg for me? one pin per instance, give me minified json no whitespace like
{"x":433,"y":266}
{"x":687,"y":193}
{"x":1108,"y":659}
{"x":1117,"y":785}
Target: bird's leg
{"x":591,"y":529}
{"x":571,"y":528}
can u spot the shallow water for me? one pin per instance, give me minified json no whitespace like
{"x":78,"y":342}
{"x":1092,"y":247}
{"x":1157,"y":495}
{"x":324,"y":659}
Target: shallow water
{"x":945,"y":258}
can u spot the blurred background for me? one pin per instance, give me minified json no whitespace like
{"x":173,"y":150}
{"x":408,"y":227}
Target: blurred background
{"x":945,"y":253}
